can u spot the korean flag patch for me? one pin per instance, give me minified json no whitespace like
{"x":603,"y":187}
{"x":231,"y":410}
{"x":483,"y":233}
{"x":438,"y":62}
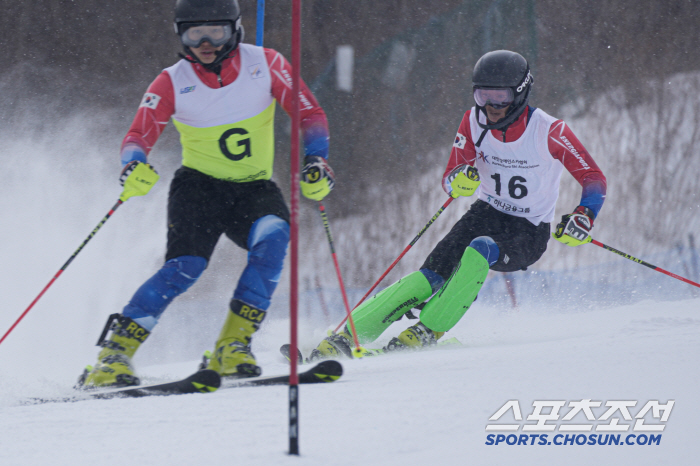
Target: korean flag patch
{"x":460,"y":141}
{"x":150,"y":100}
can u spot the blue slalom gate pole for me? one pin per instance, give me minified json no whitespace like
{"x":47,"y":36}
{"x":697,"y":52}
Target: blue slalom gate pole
{"x":260,"y":26}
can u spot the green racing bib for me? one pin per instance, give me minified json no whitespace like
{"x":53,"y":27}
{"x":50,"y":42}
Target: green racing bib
{"x":239,"y":152}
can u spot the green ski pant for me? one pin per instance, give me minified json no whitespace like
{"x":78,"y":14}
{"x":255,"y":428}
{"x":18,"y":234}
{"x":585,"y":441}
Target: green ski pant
{"x":440,"y":314}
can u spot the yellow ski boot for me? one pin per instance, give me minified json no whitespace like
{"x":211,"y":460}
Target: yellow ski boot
{"x":113,"y":368}
{"x":415,"y":337}
{"x":232,"y":355}
{"x":336,"y":345}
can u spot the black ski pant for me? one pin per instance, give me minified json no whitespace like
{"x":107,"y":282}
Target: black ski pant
{"x":202,"y":208}
{"x":520,"y":243}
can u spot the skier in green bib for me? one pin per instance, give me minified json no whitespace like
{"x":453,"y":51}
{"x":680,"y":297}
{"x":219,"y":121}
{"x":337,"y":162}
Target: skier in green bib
{"x":511,"y":155}
{"x":221,"y":97}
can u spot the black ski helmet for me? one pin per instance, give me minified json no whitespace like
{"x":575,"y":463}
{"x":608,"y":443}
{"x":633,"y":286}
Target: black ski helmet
{"x":503,"y":69}
{"x":190,"y":12}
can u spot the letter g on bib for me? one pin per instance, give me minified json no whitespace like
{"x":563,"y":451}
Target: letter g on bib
{"x":227,"y":140}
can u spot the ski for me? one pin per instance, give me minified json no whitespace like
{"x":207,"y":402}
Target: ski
{"x":285,"y":350}
{"x":323,"y":372}
{"x":203,"y":381}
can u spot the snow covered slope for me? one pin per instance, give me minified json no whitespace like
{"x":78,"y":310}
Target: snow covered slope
{"x":405,"y":409}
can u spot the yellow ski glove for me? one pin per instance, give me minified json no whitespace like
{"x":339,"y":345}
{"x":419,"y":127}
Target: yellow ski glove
{"x":464,"y":180}
{"x":575,"y":228}
{"x":137,"y":178}
{"x":317,"y":178}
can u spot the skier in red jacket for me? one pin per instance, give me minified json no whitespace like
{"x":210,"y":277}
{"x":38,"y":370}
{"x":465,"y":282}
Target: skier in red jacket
{"x":512,"y":156}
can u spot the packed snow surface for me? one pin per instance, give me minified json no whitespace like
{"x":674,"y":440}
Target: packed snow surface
{"x":422,"y":408}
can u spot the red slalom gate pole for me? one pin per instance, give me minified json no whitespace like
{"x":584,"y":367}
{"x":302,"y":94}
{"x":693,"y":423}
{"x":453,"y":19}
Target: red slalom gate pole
{"x":639,"y":261}
{"x":294,"y":230}
{"x":327,"y":226}
{"x":420,"y":233}
{"x":65,"y":266}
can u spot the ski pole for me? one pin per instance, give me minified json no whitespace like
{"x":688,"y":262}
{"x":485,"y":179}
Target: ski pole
{"x":420,"y":233}
{"x":639,"y":261}
{"x":327,"y":226}
{"x":58,"y":274}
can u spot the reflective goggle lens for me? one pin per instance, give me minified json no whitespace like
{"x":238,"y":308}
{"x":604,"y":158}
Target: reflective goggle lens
{"x":216,"y":35}
{"x":497,"y":98}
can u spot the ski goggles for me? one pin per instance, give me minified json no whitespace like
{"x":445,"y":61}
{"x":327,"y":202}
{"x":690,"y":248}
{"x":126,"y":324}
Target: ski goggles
{"x":497,"y":98}
{"x":216,"y":34}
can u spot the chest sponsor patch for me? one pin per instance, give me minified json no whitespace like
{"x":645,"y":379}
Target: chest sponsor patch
{"x":187,"y":90}
{"x":460,"y":141}
{"x":150,"y":100}
{"x":256,"y":71}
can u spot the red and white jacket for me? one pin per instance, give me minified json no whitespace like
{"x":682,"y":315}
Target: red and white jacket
{"x":148,"y":124}
{"x":561,"y":144}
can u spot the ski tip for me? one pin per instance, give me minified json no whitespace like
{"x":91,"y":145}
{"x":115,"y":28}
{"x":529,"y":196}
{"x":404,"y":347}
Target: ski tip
{"x":327,"y":371}
{"x":286,"y":351}
{"x":205,"y":381}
